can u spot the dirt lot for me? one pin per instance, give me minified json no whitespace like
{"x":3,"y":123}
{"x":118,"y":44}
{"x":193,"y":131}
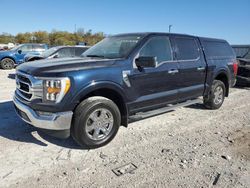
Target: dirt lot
{"x":189,"y":147}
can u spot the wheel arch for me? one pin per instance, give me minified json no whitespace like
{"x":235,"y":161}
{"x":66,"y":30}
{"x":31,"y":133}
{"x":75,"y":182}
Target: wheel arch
{"x":109,"y":90}
{"x":223,"y":76}
{"x":8,"y":57}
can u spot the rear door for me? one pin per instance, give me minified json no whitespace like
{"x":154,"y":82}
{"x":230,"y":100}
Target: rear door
{"x":192,"y":67}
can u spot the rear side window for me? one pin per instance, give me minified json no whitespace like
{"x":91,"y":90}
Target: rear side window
{"x":79,"y":51}
{"x":158,"y":47}
{"x":38,"y":47}
{"x":218,"y":49}
{"x":187,"y":48}
{"x":26,"y":48}
{"x":66,"y":52}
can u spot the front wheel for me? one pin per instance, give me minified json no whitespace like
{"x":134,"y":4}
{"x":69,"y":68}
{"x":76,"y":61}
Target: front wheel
{"x":216,"y":96}
{"x":96,"y":122}
{"x":7,"y":63}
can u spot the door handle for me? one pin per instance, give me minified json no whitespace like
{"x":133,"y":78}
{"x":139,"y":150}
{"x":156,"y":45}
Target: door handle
{"x":201,"y":68}
{"x":173,"y":71}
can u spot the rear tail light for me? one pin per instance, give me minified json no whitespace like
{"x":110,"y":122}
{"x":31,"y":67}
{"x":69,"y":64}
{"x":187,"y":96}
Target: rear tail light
{"x":235,"y":67}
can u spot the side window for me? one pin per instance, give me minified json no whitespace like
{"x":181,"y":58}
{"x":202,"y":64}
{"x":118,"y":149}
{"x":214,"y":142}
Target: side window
{"x":159,"y":47}
{"x":187,"y":48}
{"x":66,"y":52}
{"x":218,"y":49}
{"x":37,"y":47}
{"x":26,"y":48}
{"x":79,"y":51}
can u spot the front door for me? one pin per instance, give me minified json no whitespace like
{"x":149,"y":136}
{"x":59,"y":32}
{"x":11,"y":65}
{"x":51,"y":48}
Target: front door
{"x":22,"y":51}
{"x":158,"y":85}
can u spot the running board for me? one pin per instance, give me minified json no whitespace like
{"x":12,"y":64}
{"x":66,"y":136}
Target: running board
{"x":144,"y":115}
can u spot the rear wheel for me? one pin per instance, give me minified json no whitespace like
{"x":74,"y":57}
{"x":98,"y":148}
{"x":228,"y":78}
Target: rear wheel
{"x":7,"y":63}
{"x":96,"y":122}
{"x":216,"y":96}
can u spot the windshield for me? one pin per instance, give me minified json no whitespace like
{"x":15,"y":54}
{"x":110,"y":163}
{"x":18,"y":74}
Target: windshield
{"x":16,"y":48}
{"x":49,"y":52}
{"x":113,"y":47}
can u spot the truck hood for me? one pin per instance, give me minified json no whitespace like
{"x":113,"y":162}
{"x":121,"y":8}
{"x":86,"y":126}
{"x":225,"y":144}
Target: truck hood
{"x":54,"y":66}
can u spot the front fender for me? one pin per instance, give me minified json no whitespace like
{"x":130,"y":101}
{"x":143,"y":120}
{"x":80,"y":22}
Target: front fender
{"x":93,"y":86}
{"x":11,"y":56}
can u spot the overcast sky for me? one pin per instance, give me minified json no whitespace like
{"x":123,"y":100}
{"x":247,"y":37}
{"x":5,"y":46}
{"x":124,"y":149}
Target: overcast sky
{"x":227,"y":19}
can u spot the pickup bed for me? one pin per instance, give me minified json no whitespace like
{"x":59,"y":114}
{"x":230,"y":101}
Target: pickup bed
{"x":121,"y":79}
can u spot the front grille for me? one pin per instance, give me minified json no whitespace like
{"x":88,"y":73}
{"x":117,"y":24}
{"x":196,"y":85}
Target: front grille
{"x":26,"y":95}
{"x":28,"y":87}
{"x":24,"y":79}
{"x":24,"y":87}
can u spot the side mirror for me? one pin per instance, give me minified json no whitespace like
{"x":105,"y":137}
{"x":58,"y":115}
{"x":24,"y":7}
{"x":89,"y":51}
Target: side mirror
{"x":19,"y":51}
{"x":146,"y":61}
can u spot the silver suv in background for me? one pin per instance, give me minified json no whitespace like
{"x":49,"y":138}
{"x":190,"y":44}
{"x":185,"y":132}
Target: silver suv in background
{"x":57,"y":52}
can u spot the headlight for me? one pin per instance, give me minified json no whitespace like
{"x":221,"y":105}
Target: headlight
{"x":55,"y":89}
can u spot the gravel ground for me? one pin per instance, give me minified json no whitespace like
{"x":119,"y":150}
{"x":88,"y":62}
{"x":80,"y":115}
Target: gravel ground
{"x":189,"y":147}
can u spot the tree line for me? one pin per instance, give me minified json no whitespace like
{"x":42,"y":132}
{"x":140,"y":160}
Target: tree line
{"x":54,"y":38}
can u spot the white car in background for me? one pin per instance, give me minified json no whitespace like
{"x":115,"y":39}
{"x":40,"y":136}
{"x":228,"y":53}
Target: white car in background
{"x":7,"y":46}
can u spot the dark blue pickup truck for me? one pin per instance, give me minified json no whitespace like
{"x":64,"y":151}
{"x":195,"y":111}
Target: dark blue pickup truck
{"x":123,"y":78}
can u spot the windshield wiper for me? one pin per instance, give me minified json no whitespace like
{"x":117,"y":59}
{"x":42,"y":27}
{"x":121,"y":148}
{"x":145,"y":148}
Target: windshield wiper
{"x":100,"y":56}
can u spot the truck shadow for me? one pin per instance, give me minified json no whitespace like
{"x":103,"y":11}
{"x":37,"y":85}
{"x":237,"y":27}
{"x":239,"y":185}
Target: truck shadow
{"x":198,"y":106}
{"x":13,"y":128}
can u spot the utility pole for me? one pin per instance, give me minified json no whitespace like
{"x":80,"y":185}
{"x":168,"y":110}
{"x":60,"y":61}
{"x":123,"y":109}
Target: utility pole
{"x":76,"y":41}
{"x":169,"y":28}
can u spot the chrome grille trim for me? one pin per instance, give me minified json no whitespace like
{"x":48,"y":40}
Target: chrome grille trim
{"x":34,"y":86}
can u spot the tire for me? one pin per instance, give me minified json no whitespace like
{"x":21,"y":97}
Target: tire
{"x":96,"y":122}
{"x":7,"y":63}
{"x":216,"y":96}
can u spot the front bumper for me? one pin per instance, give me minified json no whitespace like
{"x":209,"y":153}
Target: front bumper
{"x":49,"y":121}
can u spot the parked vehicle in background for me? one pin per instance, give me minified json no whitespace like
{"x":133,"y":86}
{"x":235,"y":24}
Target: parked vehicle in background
{"x":57,"y":52}
{"x":7,"y":46}
{"x":243,"y":56}
{"x":123,"y":78}
{"x":15,"y":56}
